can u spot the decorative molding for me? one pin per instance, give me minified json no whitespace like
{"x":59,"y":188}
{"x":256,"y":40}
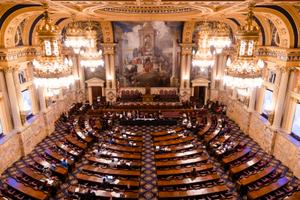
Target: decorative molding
{"x":13,"y":56}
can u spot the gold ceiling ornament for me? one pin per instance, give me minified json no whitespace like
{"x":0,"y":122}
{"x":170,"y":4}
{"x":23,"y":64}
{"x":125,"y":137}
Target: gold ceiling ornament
{"x":203,"y":57}
{"x":245,"y":72}
{"x":51,"y":70}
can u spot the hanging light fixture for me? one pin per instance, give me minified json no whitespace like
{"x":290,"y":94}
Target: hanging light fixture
{"x":90,"y":57}
{"x":245,"y":71}
{"x":75,"y":37}
{"x":220,"y":39}
{"x":51,"y":70}
{"x":203,"y":57}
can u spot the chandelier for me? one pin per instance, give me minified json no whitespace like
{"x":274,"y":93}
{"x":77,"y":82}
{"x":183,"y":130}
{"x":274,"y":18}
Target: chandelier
{"x":220,"y":39}
{"x":203,"y":58}
{"x":245,"y":71}
{"x":76,"y":37}
{"x":51,"y":70}
{"x":90,"y":57}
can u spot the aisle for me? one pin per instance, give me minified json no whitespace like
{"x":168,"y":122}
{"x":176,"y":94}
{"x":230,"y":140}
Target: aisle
{"x":148,"y":179}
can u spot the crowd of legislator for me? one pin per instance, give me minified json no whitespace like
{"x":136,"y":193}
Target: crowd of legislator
{"x":110,"y":159}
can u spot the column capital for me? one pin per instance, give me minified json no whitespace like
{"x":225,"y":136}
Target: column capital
{"x":10,"y":68}
{"x":108,"y":48}
{"x":186,"y":48}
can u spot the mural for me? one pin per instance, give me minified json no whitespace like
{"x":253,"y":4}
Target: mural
{"x":147,"y":53}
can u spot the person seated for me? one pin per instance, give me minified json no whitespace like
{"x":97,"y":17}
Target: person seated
{"x":64,"y":163}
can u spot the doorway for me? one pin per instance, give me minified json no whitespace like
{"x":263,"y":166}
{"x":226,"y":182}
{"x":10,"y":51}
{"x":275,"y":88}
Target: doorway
{"x":96,"y":92}
{"x":199,"y":94}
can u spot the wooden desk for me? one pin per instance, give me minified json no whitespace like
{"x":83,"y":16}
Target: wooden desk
{"x":99,"y":180}
{"x":236,"y":155}
{"x":173,"y":142}
{"x":56,"y":156}
{"x":67,"y":149}
{"x":185,"y":170}
{"x":82,"y":136}
{"x":126,"y":143}
{"x":108,"y":161}
{"x":193,"y":193}
{"x":206,"y":128}
{"x":181,"y":162}
{"x":255,"y":177}
{"x":256,"y":194}
{"x":45,"y":164}
{"x":188,"y":181}
{"x":161,"y":133}
{"x":167,"y":137}
{"x":76,"y":142}
{"x":132,"y":138}
{"x":102,"y":193}
{"x":120,"y":155}
{"x":239,"y":168}
{"x":177,"y":148}
{"x":177,"y":155}
{"x":122,"y":148}
{"x":294,"y":196}
{"x":213,"y":135}
{"x":26,"y":190}
{"x":119,"y":172}
{"x":39,"y":177}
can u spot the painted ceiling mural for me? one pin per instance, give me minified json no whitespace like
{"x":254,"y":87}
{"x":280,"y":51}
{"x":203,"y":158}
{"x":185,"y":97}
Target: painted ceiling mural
{"x":147,"y":53}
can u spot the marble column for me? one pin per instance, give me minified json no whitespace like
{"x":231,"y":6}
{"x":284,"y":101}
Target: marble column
{"x":112,"y":69}
{"x":81,"y":74}
{"x":281,"y":98}
{"x":90,"y":93}
{"x":42,"y":99}
{"x":13,"y":99}
{"x":34,"y":101}
{"x":6,"y":117}
{"x":183,"y":64}
{"x":214,"y":71}
{"x":252,"y":100}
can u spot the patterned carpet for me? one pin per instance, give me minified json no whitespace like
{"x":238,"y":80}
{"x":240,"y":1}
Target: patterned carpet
{"x":148,"y":180}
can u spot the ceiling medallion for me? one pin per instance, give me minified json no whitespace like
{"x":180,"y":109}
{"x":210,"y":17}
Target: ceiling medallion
{"x":147,"y":9}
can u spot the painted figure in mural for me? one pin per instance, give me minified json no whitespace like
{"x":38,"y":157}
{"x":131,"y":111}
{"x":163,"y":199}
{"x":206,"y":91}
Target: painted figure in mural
{"x":144,"y":55}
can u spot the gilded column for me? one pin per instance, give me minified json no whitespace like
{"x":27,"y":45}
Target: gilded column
{"x":186,"y":55}
{"x":281,"y":98}
{"x":13,"y":98}
{"x":42,"y":99}
{"x":6,"y":112}
{"x":252,"y":100}
{"x":109,"y":62}
{"x":90,"y":95}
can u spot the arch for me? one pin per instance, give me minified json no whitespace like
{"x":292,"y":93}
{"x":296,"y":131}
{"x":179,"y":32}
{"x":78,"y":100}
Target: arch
{"x":283,"y":21}
{"x":12,"y":16}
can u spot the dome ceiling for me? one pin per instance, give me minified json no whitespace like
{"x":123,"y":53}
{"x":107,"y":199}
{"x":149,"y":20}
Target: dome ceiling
{"x":150,"y":9}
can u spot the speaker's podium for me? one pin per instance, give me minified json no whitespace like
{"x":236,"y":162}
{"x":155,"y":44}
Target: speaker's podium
{"x":148,"y":97}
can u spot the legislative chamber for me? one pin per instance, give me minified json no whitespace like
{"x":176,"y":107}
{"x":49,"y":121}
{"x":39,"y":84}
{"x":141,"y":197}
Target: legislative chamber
{"x":150,"y":99}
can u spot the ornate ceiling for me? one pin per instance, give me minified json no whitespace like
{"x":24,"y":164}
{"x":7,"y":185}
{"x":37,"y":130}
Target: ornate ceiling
{"x":136,"y":10}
